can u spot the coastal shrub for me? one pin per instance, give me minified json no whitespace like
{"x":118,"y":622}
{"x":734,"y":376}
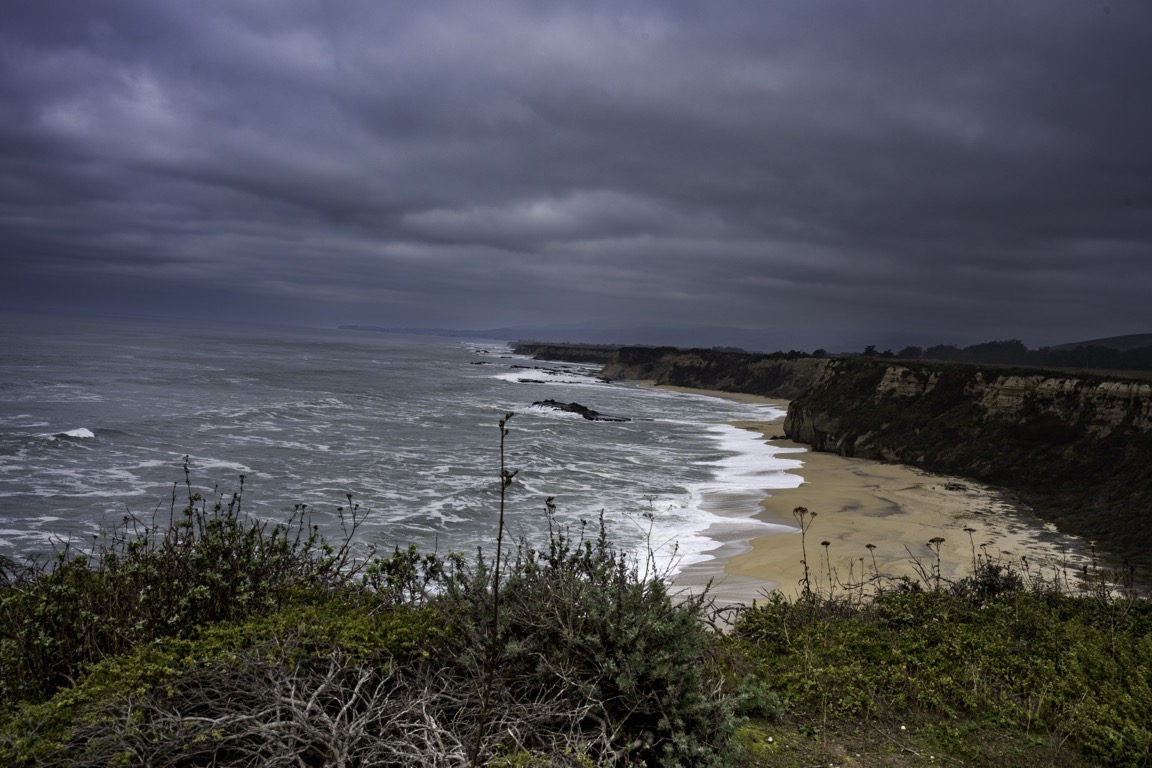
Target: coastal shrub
{"x":619,"y":670}
{"x":580,"y":611}
{"x":990,"y":579}
{"x":594,"y":665}
{"x":411,"y":577}
{"x":296,"y":677}
{"x":139,"y":582}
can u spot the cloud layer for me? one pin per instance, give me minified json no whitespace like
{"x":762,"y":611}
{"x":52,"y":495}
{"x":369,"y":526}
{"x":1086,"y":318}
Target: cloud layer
{"x":832,"y":172}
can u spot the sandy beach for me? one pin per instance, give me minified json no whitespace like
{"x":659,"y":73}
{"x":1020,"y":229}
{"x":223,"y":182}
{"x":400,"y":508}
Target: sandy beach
{"x":895,"y":508}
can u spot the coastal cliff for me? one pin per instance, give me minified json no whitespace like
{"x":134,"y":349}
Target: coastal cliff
{"x":570,"y":353}
{"x":776,"y":375}
{"x":1077,"y":448}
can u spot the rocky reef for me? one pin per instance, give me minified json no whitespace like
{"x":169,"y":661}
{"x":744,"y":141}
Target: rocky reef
{"x":582,"y":410}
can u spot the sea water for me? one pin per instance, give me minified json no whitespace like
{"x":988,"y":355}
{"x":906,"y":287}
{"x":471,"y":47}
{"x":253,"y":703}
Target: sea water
{"x":97,"y":417}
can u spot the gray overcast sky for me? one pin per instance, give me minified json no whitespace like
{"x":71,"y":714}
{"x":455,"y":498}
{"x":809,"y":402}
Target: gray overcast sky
{"x":836,"y":173}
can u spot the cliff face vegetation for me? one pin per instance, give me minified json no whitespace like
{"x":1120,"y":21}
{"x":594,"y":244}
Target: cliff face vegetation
{"x":1076,"y":448}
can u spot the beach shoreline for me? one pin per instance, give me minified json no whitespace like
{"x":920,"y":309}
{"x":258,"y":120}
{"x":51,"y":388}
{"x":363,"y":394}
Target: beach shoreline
{"x":857,"y":502}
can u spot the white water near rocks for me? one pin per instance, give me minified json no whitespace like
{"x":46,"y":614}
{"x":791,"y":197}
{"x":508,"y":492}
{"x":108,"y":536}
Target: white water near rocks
{"x":96,"y":418}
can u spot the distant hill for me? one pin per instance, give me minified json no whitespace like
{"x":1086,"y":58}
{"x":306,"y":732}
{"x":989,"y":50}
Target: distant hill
{"x":1120,"y":343}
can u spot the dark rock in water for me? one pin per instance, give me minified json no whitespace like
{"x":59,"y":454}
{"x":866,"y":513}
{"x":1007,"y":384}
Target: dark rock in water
{"x":584,"y":411}
{"x":531,"y":381}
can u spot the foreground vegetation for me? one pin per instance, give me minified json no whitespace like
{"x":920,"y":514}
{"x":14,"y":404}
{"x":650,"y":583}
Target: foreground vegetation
{"x":219,"y":639}
{"x":983,"y":673}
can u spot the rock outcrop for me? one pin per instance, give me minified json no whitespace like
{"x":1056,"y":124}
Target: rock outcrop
{"x":584,"y":411}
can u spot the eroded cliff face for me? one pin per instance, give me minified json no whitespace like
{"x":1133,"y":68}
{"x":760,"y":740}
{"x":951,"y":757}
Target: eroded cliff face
{"x":1102,"y":407}
{"x":1099,"y":408}
{"x":1078,"y":448}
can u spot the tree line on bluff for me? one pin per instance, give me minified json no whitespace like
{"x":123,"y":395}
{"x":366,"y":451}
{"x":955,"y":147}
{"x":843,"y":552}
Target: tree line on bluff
{"x":1010,"y":352}
{"x":1014,"y":352}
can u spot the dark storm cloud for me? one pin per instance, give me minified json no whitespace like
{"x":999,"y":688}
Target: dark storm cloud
{"x":844,"y":171}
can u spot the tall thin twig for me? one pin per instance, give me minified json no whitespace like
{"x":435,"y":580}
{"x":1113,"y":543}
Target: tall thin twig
{"x":493,"y":651}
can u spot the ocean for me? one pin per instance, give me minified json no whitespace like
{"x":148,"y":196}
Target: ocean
{"x":97,"y":417}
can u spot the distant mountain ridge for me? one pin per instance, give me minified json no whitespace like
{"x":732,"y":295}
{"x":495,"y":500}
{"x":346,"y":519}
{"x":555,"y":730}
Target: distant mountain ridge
{"x":1120,"y":343}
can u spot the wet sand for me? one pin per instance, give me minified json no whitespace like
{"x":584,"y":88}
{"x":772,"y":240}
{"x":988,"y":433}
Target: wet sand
{"x":857,"y":502}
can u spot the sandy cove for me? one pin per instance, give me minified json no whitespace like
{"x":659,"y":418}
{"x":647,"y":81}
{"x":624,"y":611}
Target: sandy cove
{"x":896,"y":508}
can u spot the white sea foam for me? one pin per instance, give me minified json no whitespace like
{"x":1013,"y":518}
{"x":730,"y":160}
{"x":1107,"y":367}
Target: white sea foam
{"x":153,"y":463}
{"x":750,"y":471}
{"x":82,"y":433}
{"x":754,"y":461}
{"x":21,"y":421}
{"x":207,"y":465}
{"x":326,"y":402}
{"x":538,"y":376}
{"x":269,"y":442}
{"x":87,"y":482}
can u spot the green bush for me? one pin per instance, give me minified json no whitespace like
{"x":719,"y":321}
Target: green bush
{"x":144,"y":582}
{"x":580,"y":624}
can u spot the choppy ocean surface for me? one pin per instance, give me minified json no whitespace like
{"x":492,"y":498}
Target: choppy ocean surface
{"x":96,"y":417}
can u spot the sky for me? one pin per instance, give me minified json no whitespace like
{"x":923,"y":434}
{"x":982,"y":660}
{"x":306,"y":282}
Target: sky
{"x":781,"y":173}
